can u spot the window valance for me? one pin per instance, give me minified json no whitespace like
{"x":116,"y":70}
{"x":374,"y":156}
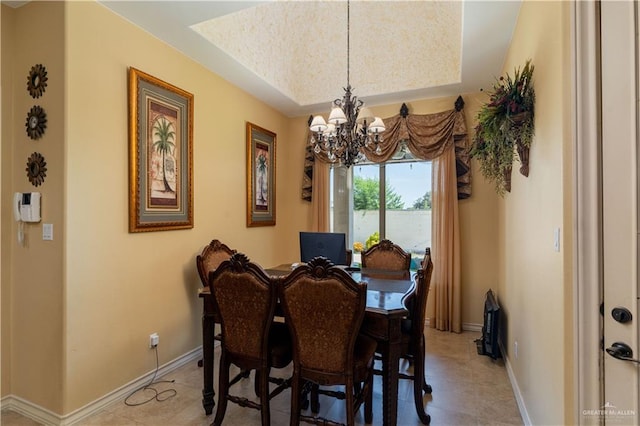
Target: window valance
{"x":427,"y":136}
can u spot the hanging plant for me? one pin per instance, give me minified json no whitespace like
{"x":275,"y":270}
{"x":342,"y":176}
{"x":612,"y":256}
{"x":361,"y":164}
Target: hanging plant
{"x":506,"y":124}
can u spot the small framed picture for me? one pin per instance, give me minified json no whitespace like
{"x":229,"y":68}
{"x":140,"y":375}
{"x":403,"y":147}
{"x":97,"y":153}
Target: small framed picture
{"x":160,"y":155}
{"x":261,"y":176}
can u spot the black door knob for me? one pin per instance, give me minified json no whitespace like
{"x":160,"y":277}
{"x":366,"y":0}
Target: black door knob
{"x":622,"y":351}
{"x":622,"y":315}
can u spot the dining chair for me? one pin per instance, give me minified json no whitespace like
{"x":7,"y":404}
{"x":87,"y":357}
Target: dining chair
{"x":245,"y":298}
{"x":349,"y":259}
{"x":208,"y":260}
{"x":212,"y":255}
{"x":386,"y":256}
{"x":413,"y":341}
{"x":324,"y":308}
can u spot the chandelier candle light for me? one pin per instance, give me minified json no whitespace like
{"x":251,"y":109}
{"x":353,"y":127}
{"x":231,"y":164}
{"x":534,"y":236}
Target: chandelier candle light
{"x":350,"y":128}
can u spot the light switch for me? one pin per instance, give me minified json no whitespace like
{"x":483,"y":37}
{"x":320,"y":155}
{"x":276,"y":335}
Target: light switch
{"x":556,"y":239}
{"x":47,"y":231}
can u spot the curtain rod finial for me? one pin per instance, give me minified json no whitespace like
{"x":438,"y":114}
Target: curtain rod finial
{"x":459,"y":103}
{"x":404,"y":110}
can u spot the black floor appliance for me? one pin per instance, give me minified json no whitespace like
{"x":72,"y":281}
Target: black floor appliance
{"x":488,"y":343}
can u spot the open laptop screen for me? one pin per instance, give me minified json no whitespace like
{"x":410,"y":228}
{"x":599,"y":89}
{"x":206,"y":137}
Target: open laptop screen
{"x":328,"y":244}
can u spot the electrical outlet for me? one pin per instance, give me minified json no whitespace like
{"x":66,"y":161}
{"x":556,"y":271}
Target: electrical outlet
{"x":154,"y":339}
{"x":515,"y":349}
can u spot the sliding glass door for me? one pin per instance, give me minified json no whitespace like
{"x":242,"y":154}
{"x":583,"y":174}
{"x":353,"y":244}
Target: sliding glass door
{"x":400,"y":209}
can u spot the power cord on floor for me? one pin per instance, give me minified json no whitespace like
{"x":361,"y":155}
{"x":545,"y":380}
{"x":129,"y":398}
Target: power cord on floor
{"x":159,"y":396}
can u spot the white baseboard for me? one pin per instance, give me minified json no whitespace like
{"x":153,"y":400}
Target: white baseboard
{"x":466,"y":326}
{"x":30,"y":410}
{"x":516,"y":389}
{"x":49,"y":418}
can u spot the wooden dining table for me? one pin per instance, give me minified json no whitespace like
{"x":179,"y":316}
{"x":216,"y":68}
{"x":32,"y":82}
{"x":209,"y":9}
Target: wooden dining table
{"x":382,"y":321}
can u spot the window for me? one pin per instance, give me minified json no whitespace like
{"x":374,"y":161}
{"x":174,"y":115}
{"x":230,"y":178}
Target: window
{"x":399,"y":210}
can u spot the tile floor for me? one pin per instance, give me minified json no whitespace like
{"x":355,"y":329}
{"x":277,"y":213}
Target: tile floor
{"x":468,"y":389}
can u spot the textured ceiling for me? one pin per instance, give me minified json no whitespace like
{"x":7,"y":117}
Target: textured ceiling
{"x":293,"y":54}
{"x":300,"y":48}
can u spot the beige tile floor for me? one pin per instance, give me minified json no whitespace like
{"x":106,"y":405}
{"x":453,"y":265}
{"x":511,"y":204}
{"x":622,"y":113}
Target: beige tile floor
{"x":468,"y":389}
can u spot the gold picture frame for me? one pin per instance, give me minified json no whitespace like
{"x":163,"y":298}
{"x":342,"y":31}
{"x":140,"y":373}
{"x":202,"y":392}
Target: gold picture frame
{"x":261,"y":176}
{"x":160,"y":155}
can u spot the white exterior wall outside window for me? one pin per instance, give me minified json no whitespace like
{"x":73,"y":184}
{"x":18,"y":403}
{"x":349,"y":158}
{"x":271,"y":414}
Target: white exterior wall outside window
{"x":404,"y":218}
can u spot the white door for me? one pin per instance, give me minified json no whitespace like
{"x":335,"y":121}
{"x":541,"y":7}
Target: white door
{"x":620,"y":236}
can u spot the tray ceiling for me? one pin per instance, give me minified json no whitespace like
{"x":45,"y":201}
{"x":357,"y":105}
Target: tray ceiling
{"x":293,"y":54}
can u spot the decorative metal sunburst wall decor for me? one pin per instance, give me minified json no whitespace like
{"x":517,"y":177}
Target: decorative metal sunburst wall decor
{"x":36,"y":169}
{"x":37,"y":80}
{"x":36,"y":122}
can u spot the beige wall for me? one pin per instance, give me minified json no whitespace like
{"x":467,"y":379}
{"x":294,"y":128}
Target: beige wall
{"x":33,"y":277}
{"x":535,"y":280}
{"x":105,"y":290}
{"x":121,"y":287}
{"x":6,"y":148}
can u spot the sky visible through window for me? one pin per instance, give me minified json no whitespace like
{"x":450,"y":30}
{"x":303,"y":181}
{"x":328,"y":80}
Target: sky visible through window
{"x":409,"y":180}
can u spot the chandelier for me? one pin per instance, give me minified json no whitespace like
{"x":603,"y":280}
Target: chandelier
{"x":351,"y":126}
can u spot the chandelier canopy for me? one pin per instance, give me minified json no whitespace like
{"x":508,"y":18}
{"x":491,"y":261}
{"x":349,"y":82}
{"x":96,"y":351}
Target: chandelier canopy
{"x":351,"y":126}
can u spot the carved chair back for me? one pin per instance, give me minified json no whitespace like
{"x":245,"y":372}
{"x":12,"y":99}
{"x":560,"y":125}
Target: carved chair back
{"x":245,"y":301}
{"x":212,"y":256}
{"x":245,"y":298}
{"x":386,"y":255}
{"x":324,"y":308}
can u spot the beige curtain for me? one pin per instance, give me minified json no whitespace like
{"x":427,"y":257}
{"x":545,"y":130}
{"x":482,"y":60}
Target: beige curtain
{"x":442,"y":138}
{"x":320,"y":200}
{"x":445,"y":241}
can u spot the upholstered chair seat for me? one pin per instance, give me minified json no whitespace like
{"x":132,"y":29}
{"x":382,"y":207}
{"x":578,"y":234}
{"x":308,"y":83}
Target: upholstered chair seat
{"x":364,"y":349}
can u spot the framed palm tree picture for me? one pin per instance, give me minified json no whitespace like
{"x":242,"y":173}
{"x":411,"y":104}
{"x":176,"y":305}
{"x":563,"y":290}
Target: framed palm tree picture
{"x":160,"y":155}
{"x":261,"y":176}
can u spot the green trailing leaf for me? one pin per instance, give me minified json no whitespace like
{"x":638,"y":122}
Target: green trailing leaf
{"x":508,"y":117}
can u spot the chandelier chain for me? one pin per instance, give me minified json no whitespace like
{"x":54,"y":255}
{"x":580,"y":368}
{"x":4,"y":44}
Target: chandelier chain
{"x":348,"y":40}
{"x":348,"y":132}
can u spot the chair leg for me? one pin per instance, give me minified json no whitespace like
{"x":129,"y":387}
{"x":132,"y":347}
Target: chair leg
{"x":295,"y":400}
{"x":223,"y":390}
{"x":305,"y":390}
{"x":418,"y":384}
{"x":263,"y":374}
{"x":314,"y":396}
{"x":425,"y":386}
{"x":368,"y":399}
{"x":256,"y":384}
{"x":349,"y":400}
